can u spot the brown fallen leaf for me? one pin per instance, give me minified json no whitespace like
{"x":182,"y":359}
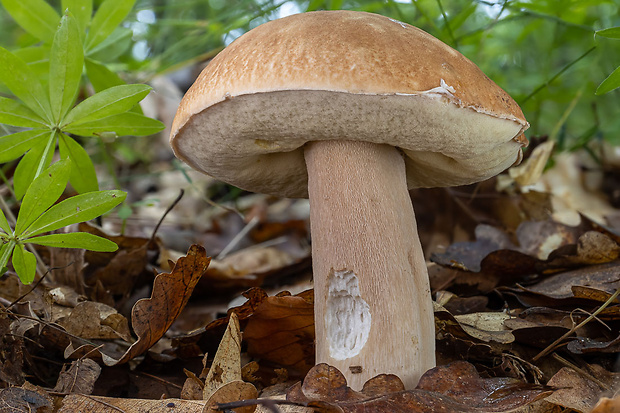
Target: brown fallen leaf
{"x":79,"y":377}
{"x":98,"y":404}
{"x":27,"y":398}
{"x":446,"y":389}
{"x":607,"y":405}
{"x":226,"y":366}
{"x":232,"y":391}
{"x":281,"y":330}
{"x":91,"y":320}
{"x":151,"y":317}
{"x":577,"y":392}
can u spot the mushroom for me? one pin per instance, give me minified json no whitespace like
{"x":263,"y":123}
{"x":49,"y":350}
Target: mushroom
{"x":352,"y":109}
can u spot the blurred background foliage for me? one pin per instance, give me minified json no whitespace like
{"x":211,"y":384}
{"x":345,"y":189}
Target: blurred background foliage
{"x":543,"y":52}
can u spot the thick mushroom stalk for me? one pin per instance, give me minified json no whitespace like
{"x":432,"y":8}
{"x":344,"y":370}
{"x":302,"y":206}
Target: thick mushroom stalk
{"x":373,"y":309}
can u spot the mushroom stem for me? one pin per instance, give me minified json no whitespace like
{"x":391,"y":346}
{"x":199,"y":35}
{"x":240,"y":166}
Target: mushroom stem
{"x":373,"y":309}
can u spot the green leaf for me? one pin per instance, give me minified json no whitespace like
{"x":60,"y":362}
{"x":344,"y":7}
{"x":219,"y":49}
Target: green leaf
{"x":4,"y":224}
{"x":24,"y":84}
{"x":83,"y":177}
{"x":76,"y":209}
{"x":82,"y":10}
{"x":123,"y":124}
{"x":15,"y":145}
{"x":76,"y":240}
{"x":42,"y":193}
{"x":100,"y":76}
{"x":25,"y":264}
{"x":109,"y":15}
{"x":5,"y":254}
{"x":37,"y":17}
{"x":612,"y":82}
{"x":15,"y":113}
{"x":66,"y":64}
{"x":113,"y":46}
{"x":27,"y":168}
{"x":109,"y":102}
{"x":610,"y":33}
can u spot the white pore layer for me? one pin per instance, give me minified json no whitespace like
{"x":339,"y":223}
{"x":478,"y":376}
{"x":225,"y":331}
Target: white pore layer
{"x":347,"y":317}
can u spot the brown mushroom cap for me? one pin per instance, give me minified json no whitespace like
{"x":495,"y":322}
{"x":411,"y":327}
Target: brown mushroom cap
{"x":344,"y":75}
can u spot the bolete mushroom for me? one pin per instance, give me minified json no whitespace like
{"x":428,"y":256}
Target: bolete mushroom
{"x":352,"y":109}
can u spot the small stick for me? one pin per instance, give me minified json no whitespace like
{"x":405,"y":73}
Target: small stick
{"x":551,"y":346}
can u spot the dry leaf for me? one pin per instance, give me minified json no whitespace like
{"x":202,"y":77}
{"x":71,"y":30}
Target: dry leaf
{"x":152,"y":317}
{"x":447,"y":389}
{"x":27,"y":398}
{"x":231,"y":392}
{"x":281,"y":330}
{"x":97,"y":404}
{"x":226,"y":366}
{"x":80,"y":377}
{"x":91,"y":320}
{"x":574,"y":390}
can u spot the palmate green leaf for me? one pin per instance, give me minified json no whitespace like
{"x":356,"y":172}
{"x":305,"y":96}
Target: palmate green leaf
{"x":24,"y":84}
{"x":14,"y":113}
{"x":109,"y":15}
{"x":66,"y":64}
{"x":15,"y":145}
{"x":5,"y":254}
{"x":109,"y":102}
{"x":27,"y":168}
{"x":75,"y":240}
{"x":123,"y":124}
{"x":79,"y":208}
{"x":612,"y":82}
{"x":4,"y":224}
{"x":113,"y":46}
{"x":42,"y":193}
{"x":25,"y":264}
{"x":82,"y":10}
{"x":37,"y":17}
{"x":100,"y":76}
{"x":610,"y":33}
{"x":83,"y":177}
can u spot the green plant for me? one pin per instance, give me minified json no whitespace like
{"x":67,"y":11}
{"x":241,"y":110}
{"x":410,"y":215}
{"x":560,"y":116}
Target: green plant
{"x":613,"y":80}
{"x":51,"y":118}
{"x":37,"y":216}
{"x":45,"y":116}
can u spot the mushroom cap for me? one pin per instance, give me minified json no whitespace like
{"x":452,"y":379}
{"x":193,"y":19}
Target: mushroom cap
{"x":344,"y":75}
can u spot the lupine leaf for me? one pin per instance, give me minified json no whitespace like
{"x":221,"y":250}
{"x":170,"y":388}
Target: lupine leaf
{"x":109,"y":15}
{"x":25,"y":264}
{"x":16,"y":144}
{"x":83,"y":177}
{"x":76,"y":209}
{"x":37,"y":17}
{"x":122,"y":124}
{"x":13,"y":112}
{"x":42,"y":193}
{"x":24,"y":84}
{"x":66,"y":64}
{"x":109,"y":102}
{"x":75,"y":240}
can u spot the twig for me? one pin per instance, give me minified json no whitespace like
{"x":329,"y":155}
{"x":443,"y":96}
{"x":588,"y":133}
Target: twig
{"x":233,"y":243}
{"x":551,"y":346}
{"x":172,"y":205}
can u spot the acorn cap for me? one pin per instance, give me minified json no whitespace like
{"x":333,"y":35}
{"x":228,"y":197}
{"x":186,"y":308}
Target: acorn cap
{"x":344,"y":75}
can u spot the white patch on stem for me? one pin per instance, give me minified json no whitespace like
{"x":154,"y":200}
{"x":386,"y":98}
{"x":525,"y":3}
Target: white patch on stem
{"x":347,"y":316}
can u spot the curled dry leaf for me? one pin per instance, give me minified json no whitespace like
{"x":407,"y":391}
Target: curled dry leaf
{"x":151,"y":317}
{"x":230,"y":392}
{"x":448,"y":389}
